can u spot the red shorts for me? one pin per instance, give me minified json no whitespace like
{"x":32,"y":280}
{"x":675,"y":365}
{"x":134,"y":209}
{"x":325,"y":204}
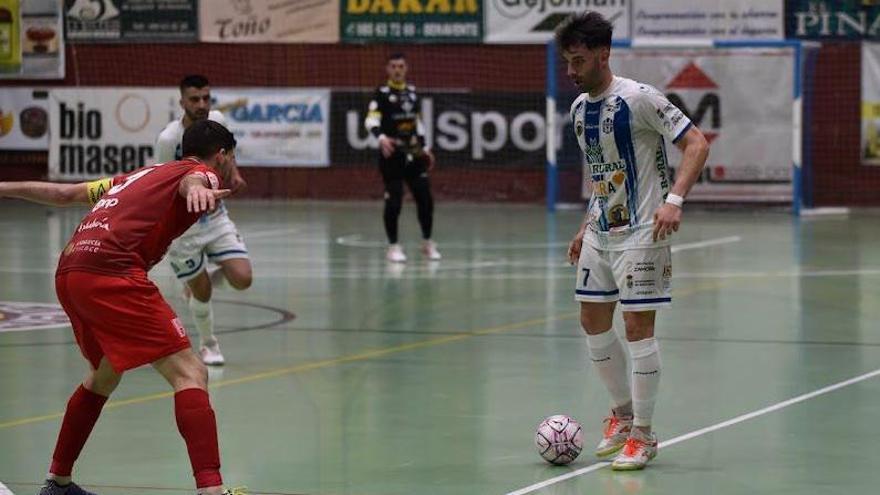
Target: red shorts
{"x":122,"y":317}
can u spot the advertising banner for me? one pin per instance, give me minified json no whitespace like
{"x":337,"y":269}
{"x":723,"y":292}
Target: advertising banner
{"x":533,"y":21}
{"x":24,"y":119}
{"x":32,"y":41}
{"x":870,"y":104}
{"x":269,"y":21}
{"x":712,"y":19}
{"x":99,"y":132}
{"x":412,"y":21}
{"x":832,"y":19}
{"x":740,"y":99}
{"x":278,"y":126}
{"x":463,"y":129}
{"x":96,"y":21}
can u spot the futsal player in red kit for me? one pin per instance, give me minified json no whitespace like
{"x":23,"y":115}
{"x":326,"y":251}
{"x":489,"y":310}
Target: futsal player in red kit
{"x":119,"y":318}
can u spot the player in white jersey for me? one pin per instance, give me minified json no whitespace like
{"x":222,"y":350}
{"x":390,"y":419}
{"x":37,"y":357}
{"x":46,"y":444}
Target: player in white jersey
{"x":622,"y":247}
{"x":214,"y":237}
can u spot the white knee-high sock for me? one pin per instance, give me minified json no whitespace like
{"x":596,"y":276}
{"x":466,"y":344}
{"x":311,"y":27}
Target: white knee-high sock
{"x":645,"y":355}
{"x":203,"y":316}
{"x":607,"y":354}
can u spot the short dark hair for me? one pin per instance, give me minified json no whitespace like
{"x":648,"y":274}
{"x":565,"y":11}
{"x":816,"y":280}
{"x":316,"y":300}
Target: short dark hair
{"x":205,"y":138}
{"x":588,"y":28}
{"x":197,"y":81}
{"x":396,"y":56}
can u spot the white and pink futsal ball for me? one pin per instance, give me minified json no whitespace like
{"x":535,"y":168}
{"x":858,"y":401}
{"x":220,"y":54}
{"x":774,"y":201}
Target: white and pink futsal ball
{"x":559,"y":439}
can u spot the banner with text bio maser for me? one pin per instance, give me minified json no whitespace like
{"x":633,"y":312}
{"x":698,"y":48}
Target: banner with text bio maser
{"x":100,"y":132}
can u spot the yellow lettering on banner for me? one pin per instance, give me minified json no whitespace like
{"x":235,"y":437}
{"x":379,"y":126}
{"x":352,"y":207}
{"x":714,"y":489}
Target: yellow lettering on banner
{"x":383,"y":6}
{"x":358,"y":6}
{"x":465,"y":6}
{"x":410,"y":7}
{"x":442,"y":6}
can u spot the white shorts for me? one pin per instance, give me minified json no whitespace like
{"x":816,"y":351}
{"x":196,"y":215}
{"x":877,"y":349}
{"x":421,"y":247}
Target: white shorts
{"x":213,"y":238}
{"x":639,"y":278}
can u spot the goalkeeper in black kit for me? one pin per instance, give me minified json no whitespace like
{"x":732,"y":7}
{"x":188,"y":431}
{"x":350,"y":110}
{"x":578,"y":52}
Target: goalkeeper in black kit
{"x":394,"y":118}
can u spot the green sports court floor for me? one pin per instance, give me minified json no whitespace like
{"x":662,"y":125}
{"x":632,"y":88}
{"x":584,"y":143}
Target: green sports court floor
{"x":347,"y":376}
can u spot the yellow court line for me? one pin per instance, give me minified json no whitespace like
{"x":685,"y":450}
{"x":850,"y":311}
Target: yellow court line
{"x":324,"y":363}
{"x":361,"y":356}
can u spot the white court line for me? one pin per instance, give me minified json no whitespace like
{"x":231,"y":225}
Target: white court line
{"x":270,"y":233}
{"x":357,"y":240}
{"x":708,"y":429}
{"x":707,"y":243}
{"x":4,"y":490}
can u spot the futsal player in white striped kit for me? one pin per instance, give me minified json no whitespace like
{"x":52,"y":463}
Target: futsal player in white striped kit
{"x":622,"y":247}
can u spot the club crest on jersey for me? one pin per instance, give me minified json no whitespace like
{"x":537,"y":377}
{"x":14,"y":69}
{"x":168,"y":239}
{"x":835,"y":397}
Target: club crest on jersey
{"x":618,"y":216}
{"x":612,"y":106}
{"x":579,"y":127}
{"x":593,"y":152}
{"x":608,"y":125}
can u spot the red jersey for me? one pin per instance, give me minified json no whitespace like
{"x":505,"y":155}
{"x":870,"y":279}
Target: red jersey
{"x":134,"y":222}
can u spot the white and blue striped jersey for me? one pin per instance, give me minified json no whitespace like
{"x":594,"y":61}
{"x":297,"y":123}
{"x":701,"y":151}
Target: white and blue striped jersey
{"x":623,"y":134}
{"x":170,"y":140}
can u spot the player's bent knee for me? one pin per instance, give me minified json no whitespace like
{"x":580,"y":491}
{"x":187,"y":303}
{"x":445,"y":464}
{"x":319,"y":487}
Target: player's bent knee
{"x":596,"y":317}
{"x":194,"y":376}
{"x":241,"y":282}
{"x":241,"y":279}
{"x":183,"y":370}
{"x":639,"y":325}
{"x":103,"y":380}
{"x":102,"y":383}
{"x":238,"y":273}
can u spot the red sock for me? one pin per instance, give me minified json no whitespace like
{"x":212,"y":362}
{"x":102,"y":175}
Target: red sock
{"x":198,"y":426}
{"x":82,"y":413}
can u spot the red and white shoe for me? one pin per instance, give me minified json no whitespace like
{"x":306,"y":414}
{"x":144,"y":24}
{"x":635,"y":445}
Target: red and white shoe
{"x":640,"y":448}
{"x":614,"y":437}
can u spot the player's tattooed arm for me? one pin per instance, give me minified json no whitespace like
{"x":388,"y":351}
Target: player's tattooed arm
{"x":200,"y":197}
{"x":47,"y":193}
{"x":694,"y":150}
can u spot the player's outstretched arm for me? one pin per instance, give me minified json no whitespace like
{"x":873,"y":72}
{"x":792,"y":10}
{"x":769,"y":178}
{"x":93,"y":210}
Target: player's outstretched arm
{"x":199,"y":196}
{"x":694,"y":149}
{"x":47,"y":193}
